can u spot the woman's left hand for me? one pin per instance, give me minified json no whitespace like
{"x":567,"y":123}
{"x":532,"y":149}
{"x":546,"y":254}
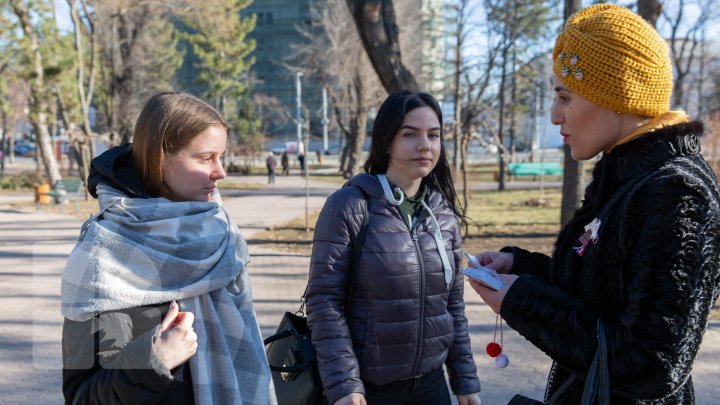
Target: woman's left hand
{"x":491,"y":297}
{"x":469,"y":399}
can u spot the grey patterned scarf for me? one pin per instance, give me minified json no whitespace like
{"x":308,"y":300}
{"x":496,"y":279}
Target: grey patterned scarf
{"x":138,"y":252}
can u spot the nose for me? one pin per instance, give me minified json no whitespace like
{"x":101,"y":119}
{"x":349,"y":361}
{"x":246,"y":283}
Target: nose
{"x":423,"y":142}
{"x":218,"y":172}
{"x":557,"y":116}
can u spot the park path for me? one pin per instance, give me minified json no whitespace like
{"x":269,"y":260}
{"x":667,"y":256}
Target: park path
{"x":34,"y":247}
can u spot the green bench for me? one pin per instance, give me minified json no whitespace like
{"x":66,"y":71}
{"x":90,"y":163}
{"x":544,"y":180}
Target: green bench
{"x":535,"y":169}
{"x":62,"y":191}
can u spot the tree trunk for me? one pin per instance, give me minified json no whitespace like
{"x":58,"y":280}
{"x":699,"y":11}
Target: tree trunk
{"x":128,"y":29}
{"x":375,"y":22}
{"x":3,"y":151}
{"x":513,"y":100}
{"x":573,"y":181}
{"x":458,"y":160}
{"x":649,"y":10}
{"x":38,"y":104}
{"x":358,"y":128}
{"x":501,"y":119}
{"x":355,"y":143}
{"x":467,"y":192}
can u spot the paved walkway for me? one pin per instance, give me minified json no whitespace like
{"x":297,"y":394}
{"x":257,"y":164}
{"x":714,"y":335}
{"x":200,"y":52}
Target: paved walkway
{"x":35,"y":245}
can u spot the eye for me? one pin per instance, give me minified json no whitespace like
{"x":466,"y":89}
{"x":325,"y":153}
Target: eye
{"x":409,"y":134}
{"x":434,"y":135}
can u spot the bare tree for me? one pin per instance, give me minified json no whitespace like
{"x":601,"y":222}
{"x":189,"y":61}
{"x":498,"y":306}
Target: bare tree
{"x":518,"y":24}
{"x":471,"y":80}
{"x":711,"y":141}
{"x":684,"y":43}
{"x":84,"y":27}
{"x":573,"y":175}
{"x":39,"y":104}
{"x":139,"y":57}
{"x":334,"y":55}
{"x":378,"y":30}
{"x":649,"y":10}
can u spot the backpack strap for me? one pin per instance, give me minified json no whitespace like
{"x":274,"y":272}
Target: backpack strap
{"x":357,"y":243}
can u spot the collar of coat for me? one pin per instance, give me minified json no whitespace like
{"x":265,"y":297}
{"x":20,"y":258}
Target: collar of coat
{"x":654,"y":149}
{"x":371,"y":186}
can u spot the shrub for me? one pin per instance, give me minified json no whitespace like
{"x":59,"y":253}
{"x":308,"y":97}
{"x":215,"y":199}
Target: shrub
{"x":23,"y":180}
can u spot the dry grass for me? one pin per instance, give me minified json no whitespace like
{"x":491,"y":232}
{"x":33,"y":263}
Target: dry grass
{"x":497,"y":219}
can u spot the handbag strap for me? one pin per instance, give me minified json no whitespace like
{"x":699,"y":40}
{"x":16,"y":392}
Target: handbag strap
{"x":627,"y":189}
{"x":597,"y":382}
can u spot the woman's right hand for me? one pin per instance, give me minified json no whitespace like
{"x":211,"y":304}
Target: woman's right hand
{"x":355,"y":398}
{"x":501,"y":262}
{"x":177,"y":341}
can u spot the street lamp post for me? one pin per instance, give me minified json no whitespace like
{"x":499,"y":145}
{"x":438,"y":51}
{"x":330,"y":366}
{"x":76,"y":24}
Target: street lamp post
{"x":325,"y":120}
{"x":298,"y":109}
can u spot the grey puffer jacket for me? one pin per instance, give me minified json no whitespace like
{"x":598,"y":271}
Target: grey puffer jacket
{"x":404,"y":321}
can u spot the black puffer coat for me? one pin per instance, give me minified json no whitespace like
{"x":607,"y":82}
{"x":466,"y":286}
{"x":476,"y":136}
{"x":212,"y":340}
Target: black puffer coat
{"x":652,"y":277}
{"x":403,"y":319}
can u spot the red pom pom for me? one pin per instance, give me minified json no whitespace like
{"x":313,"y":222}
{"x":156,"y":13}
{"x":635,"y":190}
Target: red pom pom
{"x":493,"y":349}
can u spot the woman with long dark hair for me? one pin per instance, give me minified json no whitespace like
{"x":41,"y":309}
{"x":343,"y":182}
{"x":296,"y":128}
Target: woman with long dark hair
{"x":387,"y":342}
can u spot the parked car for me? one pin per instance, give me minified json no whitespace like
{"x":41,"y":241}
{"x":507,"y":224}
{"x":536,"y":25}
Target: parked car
{"x":25,"y":148}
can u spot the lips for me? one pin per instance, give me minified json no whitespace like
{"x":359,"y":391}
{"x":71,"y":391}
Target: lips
{"x":423,"y":160}
{"x":565,"y":137}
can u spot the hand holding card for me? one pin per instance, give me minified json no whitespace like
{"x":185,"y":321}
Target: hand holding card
{"x":484,"y":275}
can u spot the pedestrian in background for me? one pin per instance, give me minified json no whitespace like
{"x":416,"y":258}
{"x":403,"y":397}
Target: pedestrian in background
{"x":285,"y":163}
{"x":301,"y":161}
{"x":271,"y":163}
{"x":406,"y":316}
{"x":156,"y":294}
{"x":642,"y":254}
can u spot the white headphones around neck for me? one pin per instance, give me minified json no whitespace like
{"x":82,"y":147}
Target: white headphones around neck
{"x":389,"y":194}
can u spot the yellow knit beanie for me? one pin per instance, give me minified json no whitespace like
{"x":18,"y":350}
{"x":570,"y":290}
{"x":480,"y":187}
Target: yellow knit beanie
{"x":614,"y":58}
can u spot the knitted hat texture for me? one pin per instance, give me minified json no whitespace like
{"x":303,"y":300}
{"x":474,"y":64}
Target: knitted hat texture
{"x":614,"y":58}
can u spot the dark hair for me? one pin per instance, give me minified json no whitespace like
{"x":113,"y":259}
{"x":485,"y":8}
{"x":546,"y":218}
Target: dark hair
{"x":168,"y":122}
{"x":387,"y":124}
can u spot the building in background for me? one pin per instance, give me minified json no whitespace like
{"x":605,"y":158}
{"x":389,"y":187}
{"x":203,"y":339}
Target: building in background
{"x":276,"y":33}
{"x":435,"y":70}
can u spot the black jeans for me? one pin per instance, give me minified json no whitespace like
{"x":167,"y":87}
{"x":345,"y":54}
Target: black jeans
{"x":431,"y":388}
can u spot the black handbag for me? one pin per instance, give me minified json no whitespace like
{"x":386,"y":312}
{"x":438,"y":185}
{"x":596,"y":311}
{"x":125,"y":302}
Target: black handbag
{"x":597,"y":382}
{"x":292,"y":362}
{"x":290,"y":353}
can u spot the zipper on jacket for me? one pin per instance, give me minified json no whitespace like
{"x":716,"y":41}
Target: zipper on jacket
{"x":421,"y":264}
{"x":421,"y":323}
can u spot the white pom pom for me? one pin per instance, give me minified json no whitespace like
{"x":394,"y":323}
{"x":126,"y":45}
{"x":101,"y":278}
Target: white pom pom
{"x":502,"y":361}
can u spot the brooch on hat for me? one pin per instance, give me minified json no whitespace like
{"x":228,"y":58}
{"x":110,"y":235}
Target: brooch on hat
{"x":591,"y":235}
{"x":572,"y":60}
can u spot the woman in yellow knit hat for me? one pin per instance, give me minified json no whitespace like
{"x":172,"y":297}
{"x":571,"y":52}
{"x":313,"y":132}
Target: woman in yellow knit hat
{"x":640,"y":259}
